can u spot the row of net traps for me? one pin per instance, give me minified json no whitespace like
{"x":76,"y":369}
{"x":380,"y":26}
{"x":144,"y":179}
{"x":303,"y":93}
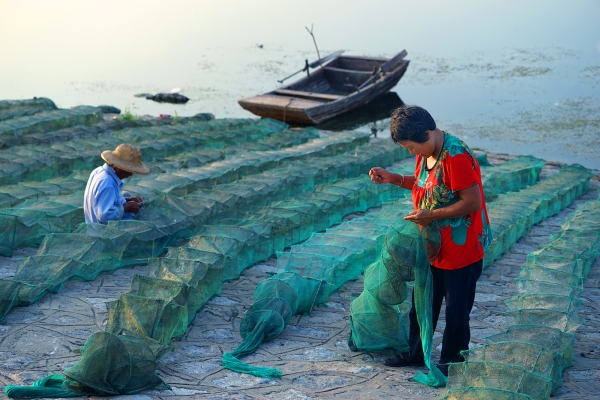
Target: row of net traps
{"x":166,"y":219}
{"x":38,"y":121}
{"x":170,"y":324}
{"x":13,"y":194}
{"x":40,"y":162}
{"x":29,"y":222}
{"x":186,"y":168}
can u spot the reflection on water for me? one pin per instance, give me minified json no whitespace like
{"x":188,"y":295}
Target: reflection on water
{"x":506,"y":75}
{"x":373,"y":116}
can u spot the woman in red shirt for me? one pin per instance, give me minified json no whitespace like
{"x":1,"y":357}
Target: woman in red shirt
{"x":447,"y":192}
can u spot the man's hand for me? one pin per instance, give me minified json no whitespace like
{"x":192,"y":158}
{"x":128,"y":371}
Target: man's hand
{"x":421,"y":217}
{"x":380,"y":175}
{"x":132,"y":206}
{"x":137,"y":199}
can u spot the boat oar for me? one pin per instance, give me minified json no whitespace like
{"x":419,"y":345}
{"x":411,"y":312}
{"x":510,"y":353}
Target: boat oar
{"x":385,"y":68}
{"x":314,"y":64}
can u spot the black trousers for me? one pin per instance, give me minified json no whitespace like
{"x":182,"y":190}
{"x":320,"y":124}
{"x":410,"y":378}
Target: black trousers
{"x":458,"y":288}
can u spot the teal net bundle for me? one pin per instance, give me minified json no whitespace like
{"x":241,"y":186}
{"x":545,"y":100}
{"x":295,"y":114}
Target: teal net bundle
{"x":511,"y":176}
{"x":528,"y":359}
{"x":110,"y":365}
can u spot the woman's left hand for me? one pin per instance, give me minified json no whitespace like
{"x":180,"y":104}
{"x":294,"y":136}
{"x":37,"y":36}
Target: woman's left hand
{"x":421,"y":217}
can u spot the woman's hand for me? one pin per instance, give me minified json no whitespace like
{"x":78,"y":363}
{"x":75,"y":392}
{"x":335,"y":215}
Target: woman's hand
{"x":421,"y":217}
{"x":470,"y":202}
{"x":380,"y":175}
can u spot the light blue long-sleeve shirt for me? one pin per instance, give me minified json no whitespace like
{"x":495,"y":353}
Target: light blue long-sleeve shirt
{"x":103,"y":200}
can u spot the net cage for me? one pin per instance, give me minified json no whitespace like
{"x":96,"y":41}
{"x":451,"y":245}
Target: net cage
{"x":539,"y":340}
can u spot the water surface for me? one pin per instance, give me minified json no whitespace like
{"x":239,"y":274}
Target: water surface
{"x":509,"y":76}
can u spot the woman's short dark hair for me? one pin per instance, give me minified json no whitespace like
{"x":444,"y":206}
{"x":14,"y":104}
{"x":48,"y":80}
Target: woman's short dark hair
{"x":411,"y":123}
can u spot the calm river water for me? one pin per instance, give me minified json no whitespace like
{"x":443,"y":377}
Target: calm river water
{"x":509,"y":76}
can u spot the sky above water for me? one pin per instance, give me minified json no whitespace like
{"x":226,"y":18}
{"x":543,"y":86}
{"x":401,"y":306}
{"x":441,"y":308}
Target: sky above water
{"x":521,"y":77}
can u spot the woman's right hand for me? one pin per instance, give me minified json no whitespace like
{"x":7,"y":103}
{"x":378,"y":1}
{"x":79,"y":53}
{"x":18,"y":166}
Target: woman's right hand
{"x":380,"y":175}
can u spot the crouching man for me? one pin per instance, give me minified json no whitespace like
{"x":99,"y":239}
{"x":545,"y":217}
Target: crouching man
{"x":103,"y":200}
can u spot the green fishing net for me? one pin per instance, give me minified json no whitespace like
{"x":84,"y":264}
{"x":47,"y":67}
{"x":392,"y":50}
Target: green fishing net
{"x":235,"y":210}
{"x":44,"y":121}
{"x":110,"y":365}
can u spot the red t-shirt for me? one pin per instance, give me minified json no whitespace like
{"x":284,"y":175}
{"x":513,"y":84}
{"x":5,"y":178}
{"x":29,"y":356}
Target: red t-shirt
{"x":463,"y":239}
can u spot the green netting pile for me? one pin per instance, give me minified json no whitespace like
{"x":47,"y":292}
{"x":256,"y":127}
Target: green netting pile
{"x":235,"y":166}
{"x":10,"y":109}
{"x":26,"y":224}
{"x":76,"y":132}
{"x":12,"y":195}
{"x":46,"y":121}
{"x":529,"y":357}
{"x":111,"y":364}
{"x":198,"y":158}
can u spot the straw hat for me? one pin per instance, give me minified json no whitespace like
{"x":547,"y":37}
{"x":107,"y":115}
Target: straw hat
{"x":126,"y":157}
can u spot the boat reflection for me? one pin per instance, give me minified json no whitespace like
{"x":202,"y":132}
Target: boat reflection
{"x":372,"y":115}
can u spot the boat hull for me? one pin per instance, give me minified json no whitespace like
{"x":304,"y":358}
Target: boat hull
{"x":311,"y":107}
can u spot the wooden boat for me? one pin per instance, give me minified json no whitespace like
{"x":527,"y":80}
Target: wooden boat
{"x":340,"y":85}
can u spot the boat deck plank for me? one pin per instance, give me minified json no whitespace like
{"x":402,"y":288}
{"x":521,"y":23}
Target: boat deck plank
{"x":278,"y":101}
{"x":309,"y":95}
